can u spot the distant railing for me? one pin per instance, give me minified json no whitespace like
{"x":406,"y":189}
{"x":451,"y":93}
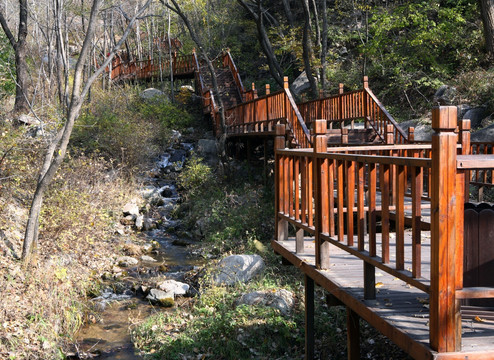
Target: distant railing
{"x":150,"y":68}
{"x":354,"y":105}
{"x":328,"y":193}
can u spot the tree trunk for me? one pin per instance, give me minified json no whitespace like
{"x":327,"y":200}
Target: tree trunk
{"x":324,"y":45}
{"x":307,"y":49}
{"x":176,"y":9}
{"x":20,"y":48}
{"x":288,"y":12}
{"x":56,"y":152}
{"x":487,"y":12}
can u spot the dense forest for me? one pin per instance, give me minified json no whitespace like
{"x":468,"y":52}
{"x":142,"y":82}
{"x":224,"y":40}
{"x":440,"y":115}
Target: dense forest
{"x":75,"y":148}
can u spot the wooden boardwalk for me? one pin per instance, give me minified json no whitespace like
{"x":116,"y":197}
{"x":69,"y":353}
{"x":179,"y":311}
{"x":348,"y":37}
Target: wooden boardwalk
{"x":401,"y":310}
{"x":379,"y":226}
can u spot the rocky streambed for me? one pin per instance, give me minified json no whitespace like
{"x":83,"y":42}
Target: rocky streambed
{"x":156,"y":271}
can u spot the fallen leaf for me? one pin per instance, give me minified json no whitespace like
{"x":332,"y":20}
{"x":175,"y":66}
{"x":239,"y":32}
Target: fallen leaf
{"x":379,"y":284}
{"x":478,"y":319}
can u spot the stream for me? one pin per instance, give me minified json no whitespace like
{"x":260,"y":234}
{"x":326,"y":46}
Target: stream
{"x":123,"y":303}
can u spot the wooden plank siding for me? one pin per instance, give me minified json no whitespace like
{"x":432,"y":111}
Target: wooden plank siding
{"x":411,"y":284}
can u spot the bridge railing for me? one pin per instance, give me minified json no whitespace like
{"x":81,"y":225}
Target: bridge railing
{"x":350,"y":106}
{"x":328,"y":194}
{"x":151,"y":67}
{"x":261,"y":114}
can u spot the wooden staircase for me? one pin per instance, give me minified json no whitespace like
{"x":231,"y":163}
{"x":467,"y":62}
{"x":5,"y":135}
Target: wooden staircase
{"x":247,"y":114}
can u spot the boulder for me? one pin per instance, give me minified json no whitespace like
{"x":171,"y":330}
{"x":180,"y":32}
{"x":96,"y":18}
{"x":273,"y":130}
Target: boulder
{"x":152,"y":94}
{"x":445,"y":95}
{"x":28,"y":120}
{"x":131,"y":209}
{"x":422,"y":129}
{"x":175,"y":287}
{"x":280,"y":299}
{"x":161,"y":297}
{"x":476,"y":115}
{"x":238,"y":268}
{"x":300,"y":84}
{"x":484,"y":135}
{"x":126,"y":261}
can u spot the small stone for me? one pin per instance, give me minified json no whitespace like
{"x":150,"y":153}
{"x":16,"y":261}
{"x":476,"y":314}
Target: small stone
{"x":131,"y":209}
{"x":139,"y":222}
{"x":126,"y":261}
{"x":175,"y":287}
{"x":160,"y":297}
{"x":148,"y":258}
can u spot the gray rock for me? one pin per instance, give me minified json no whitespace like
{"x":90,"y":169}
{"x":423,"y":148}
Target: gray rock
{"x":445,"y":95}
{"x":484,"y":135}
{"x":148,"y":224}
{"x":175,"y":287}
{"x":153,"y":95}
{"x":148,"y":258}
{"x":139,"y":222}
{"x":280,"y":299}
{"x":131,"y":209}
{"x":161,"y":297}
{"x":126,"y":261}
{"x":187,"y":87}
{"x":238,"y":268}
{"x":28,"y":120}
{"x":147,"y":248}
{"x":300,"y":84}
{"x":422,"y":129}
{"x":476,"y":115}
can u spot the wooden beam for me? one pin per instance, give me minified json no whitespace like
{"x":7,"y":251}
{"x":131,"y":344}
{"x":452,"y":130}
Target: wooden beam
{"x":309,"y":318}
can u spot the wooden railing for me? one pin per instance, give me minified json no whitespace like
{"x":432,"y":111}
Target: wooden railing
{"x":261,"y":114}
{"x":151,"y":68}
{"x":327,"y":193}
{"x":228,"y":62}
{"x":354,"y":105}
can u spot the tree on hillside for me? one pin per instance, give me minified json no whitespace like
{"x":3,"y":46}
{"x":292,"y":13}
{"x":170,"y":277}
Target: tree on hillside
{"x":20,"y":48}
{"x":487,"y":11}
{"x":57,"y":149}
{"x":175,"y":7}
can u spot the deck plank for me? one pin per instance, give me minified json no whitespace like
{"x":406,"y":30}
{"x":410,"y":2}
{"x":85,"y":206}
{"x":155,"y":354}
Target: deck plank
{"x":399,"y":311}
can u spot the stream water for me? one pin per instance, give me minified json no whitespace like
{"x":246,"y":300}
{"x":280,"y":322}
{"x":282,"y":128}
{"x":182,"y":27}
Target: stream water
{"x":107,"y":336}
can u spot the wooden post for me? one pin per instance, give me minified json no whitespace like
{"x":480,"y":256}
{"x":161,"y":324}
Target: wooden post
{"x":279,"y":143}
{"x":353,"y":334}
{"x":366,"y":108}
{"x":309,"y":318}
{"x":465,"y":150}
{"x":444,"y":311}
{"x":340,"y":104}
{"x":286,"y":86}
{"x":268,"y":89}
{"x":411,"y":135}
{"x":344,"y":135}
{"x":320,"y":178}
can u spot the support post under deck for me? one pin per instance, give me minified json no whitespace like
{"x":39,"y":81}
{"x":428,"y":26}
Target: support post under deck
{"x":309,"y":318}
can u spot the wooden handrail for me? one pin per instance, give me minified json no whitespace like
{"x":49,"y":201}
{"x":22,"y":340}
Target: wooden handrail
{"x":401,"y":136}
{"x":228,"y":61}
{"x":308,"y":178}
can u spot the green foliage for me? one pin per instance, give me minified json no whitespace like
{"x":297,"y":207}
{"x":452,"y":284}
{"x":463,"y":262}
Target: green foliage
{"x":116,"y":123}
{"x":230,"y":214}
{"x":408,"y":49}
{"x":477,"y":87}
{"x":7,"y":67}
{"x":195,"y":176}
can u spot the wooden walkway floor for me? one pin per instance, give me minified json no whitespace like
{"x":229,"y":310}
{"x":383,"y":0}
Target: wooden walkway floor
{"x":403,"y":310}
